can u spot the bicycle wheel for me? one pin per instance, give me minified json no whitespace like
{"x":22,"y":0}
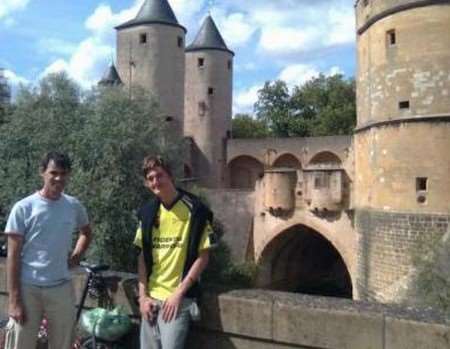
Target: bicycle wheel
{"x":88,"y":343}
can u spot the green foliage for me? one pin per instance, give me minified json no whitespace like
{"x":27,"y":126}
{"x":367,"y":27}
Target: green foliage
{"x":245,"y":126}
{"x":222,"y":273}
{"x":106,"y":134}
{"x":431,"y":284}
{"x":323,"y":106}
{"x":272,"y":107}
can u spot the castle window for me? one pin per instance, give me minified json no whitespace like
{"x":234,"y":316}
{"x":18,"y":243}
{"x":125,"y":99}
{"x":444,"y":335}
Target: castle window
{"x":391,"y":37}
{"x":201,"y":108}
{"x":321,"y":181}
{"x":201,"y":62}
{"x":210,"y":91}
{"x":403,"y":105}
{"x":180,"y":41}
{"x":143,"y":38}
{"x":365,"y":2}
{"x":421,"y":184}
{"x":230,"y":64}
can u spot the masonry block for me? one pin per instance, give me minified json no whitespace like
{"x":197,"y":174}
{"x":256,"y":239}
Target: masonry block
{"x":340,"y":327}
{"x":242,"y":313}
{"x":411,"y":334}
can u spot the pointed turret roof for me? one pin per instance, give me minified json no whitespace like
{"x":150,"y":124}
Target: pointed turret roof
{"x":208,"y":38}
{"x":153,"y":11}
{"x":111,"y":77}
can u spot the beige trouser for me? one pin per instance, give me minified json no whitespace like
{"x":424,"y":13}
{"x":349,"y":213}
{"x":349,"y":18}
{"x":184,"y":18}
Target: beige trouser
{"x":58,"y":303}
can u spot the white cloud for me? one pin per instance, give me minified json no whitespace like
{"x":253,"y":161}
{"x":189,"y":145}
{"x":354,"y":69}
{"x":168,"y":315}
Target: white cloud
{"x":15,"y":79}
{"x":289,"y":39}
{"x":297,"y":74}
{"x":9,"y":6}
{"x":91,"y":57}
{"x":245,"y":99}
{"x":235,"y":28}
{"x":87,"y":63}
{"x":315,"y":25}
{"x":188,"y":11}
{"x":335,"y":70}
{"x":57,"y":66}
{"x":342,"y":24}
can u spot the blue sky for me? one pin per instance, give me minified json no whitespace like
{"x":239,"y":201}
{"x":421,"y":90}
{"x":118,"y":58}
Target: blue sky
{"x":291,"y":40}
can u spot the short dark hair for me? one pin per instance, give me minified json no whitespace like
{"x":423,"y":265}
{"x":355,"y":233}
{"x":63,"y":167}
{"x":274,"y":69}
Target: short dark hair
{"x":151,"y":162}
{"x":60,"y":159}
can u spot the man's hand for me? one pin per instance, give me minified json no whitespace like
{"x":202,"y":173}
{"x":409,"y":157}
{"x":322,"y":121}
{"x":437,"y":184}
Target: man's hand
{"x":74,"y":260}
{"x":148,"y":308}
{"x":171,"y":306}
{"x":16,"y":311}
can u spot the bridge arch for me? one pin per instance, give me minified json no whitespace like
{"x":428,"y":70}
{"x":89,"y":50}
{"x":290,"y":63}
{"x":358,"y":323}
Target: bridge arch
{"x":244,"y":171}
{"x":287,"y":160}
{"x":305,"y":257}
{"x":325,"y":157}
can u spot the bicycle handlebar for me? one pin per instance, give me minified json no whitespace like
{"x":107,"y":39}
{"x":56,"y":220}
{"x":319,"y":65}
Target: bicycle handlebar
{"x":94,"y":268}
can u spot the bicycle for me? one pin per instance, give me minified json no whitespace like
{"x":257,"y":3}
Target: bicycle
{"x":95,"y":287}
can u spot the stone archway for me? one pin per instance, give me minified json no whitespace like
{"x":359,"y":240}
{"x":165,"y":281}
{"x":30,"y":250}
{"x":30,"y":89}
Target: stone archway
{"x":325,"y":158}
{"x":300,"y":259}
{"x":244,"y":171}
{"x":287,"y":160}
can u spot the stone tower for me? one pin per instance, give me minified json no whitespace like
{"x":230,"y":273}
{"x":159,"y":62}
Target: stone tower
{"x":208,"y":103}
{"x":402,"y":140}
{"x":150,"y":54}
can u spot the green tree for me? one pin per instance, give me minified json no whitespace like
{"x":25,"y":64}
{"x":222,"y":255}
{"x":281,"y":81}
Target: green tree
{"x":245,"y":126}
{"x":323,"y":106}
{"x":106,"y":134}
{"x":272,"y":107}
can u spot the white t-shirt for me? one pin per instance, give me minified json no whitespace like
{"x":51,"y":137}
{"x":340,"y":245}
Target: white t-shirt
{"x":47,"y":227}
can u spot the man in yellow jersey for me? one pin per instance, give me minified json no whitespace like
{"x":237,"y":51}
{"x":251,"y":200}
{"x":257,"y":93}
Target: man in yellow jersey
{"x":174,"y":237}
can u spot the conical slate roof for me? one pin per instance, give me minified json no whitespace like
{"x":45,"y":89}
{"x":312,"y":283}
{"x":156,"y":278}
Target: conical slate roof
{"x":208,"y":38}
{"x":153,"y":11}
{"x":111,"y":77}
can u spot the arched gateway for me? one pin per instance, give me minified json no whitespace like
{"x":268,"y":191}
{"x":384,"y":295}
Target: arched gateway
{"x":301,"y":259}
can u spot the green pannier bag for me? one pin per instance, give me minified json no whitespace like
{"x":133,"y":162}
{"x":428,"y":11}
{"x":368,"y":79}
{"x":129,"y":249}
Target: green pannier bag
{"x":106,"y":324}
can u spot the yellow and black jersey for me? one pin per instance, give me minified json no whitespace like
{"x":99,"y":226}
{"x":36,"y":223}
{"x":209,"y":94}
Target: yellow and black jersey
{"x":170,"y":243}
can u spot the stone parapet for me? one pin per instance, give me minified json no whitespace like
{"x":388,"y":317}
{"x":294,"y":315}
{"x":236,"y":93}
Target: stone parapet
{"x":266,"y":319}
{"x":245,"y":319}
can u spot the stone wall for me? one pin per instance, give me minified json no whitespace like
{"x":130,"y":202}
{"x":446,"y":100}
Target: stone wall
{"x":386,"y":241}
{"x":234,"y":209}
{"x":262,"y":319}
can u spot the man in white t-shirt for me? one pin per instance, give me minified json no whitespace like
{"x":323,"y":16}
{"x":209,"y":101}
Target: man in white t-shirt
{"x":40,"y":228}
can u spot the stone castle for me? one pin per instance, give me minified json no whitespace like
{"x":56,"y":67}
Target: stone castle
{"x":316,"y":214}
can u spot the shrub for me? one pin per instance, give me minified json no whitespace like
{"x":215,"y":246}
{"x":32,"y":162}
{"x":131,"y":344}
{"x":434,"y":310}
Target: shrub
{"x":431,"y":284}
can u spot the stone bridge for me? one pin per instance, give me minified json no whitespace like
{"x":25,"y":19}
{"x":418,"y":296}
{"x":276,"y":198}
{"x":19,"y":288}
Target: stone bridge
{"x":297,"y":223}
